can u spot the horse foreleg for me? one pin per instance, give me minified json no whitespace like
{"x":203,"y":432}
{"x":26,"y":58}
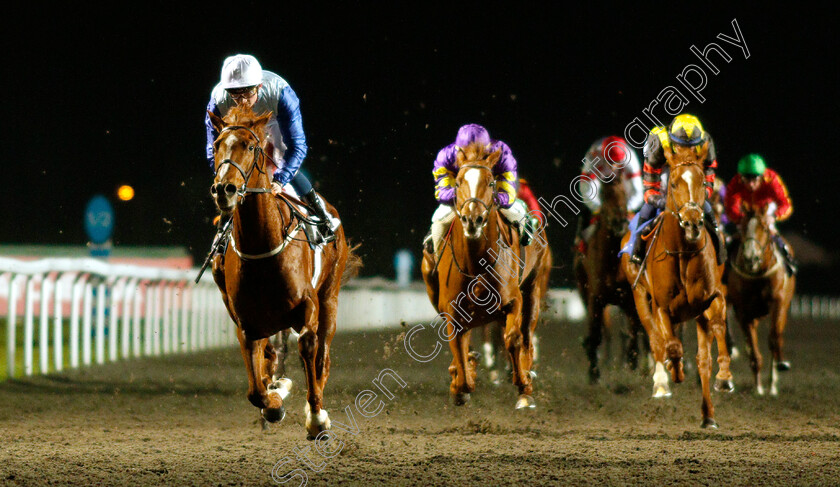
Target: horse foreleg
{"x":462,"y":368}
{"x":715,"y":316}
{"x":644,"y":309}
{"x":778,"y":321}
{"x":317,"y":419}
{"x":704,"y":368}
{"x":750,"y":329}
{"x":673,"y":345}
{"x":592,"y":342}
{"x":254,"y":355}
{"x":518,"y":346}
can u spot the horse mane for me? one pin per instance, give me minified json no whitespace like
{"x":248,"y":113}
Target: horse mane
{"x":475,"y":153}
{"x":245,"y":116}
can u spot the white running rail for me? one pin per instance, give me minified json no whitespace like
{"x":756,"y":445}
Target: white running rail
{"x":88,"y":311}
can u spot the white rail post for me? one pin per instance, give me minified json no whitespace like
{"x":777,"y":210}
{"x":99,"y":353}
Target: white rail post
{"x":113,"y":318}
{"x":128,"y":330}
{"x":76,"y":298}
{"x":183,"y":301}
{"x":28,"y":326}
{"x":101,"y":291}
{"x":44,"y":325}
{"x":58,"y":326}
{"x":195,"y":293}
{"x":148,"y":322}
{"x":11,"y":326}
{"x":157,"y":298}
{"x":135,"y":319}
{"x":166,"y":314}
{"x":87,"y":322}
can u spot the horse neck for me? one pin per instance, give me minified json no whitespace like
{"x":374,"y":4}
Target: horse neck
{"x":257,"y":217}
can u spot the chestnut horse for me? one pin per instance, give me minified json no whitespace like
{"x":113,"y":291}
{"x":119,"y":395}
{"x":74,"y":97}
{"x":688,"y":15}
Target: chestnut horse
{"x":269,"y":276}
{"x":483,"y":275}
{"x":600,"y":281}
{"x":760,"y":285}
{"x":682,"y":281}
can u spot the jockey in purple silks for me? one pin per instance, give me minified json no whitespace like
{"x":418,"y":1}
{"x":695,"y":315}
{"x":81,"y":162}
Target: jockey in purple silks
{"x":505,"y":172}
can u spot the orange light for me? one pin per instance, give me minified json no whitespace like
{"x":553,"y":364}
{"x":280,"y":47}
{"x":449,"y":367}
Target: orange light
{"x":125,"y":193}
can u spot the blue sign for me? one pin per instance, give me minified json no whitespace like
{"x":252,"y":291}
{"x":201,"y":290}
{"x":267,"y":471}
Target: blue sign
{"x":99,"y":219}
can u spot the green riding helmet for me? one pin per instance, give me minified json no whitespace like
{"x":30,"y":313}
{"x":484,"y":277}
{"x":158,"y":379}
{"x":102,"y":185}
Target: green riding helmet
{"x":751,"y":165}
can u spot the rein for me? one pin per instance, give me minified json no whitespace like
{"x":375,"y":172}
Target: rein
{"x":244,"y":190}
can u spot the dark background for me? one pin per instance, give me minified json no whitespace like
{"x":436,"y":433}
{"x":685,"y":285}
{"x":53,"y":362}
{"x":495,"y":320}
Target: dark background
{"x":95,"y":99}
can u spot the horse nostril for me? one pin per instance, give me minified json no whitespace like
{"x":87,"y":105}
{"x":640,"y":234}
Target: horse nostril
{"x":213,"y":190}
{"x":479,"y":220}
{"x":230,"y":189}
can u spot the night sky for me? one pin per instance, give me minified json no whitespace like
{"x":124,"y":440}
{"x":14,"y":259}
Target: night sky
{"x":95,"y":99}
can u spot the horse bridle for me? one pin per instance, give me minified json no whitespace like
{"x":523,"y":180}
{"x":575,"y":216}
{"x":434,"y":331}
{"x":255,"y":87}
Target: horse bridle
{"x":487,"y":208}
{"x":246,"y":175}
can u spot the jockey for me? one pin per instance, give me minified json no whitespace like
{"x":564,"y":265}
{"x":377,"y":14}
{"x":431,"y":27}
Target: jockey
{"x":603,"y":157}
{"x":757,"y":186}
{"x":445,"y":171}
{"x":245,"y":83}
{"x":685,"y":130}
{"x":524,"y":193}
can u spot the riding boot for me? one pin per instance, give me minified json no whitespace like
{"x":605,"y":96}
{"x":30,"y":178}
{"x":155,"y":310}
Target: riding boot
{"x":428,"y":243}
{"x":784,"y":249}
{"x":527,"y":227}
{"x":638,"y":252}
{"x":327,"y":223}
{"x":717,"y":239}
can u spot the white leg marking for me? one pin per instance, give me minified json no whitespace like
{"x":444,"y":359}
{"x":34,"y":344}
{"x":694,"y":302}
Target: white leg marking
{"x":660,"y":381}
{"x":774,"y":378}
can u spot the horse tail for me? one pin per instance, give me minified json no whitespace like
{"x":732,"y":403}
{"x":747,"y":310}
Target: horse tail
{"x":353,"y":266}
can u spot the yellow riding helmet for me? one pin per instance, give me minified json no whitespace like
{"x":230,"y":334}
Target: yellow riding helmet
{"x":685,"y":129}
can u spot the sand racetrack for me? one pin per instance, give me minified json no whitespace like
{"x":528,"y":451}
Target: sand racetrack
{"x":184,"y":420}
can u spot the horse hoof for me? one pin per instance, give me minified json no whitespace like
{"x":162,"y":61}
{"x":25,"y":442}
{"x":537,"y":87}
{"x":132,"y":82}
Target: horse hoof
{"x":661,"y":392}
{"x":525,"y":402}
{"x":709,"y":423}
{"x":759,"y":390}
{"x":783,"y":366}
{"x":734,"y":354}
{"x":495,"y":378}
{"x":594,"y":376}
{"x":724,"y":385}
{"x":533,"y":374}
{"x":273,"y":415}
{"x":461,"y":398}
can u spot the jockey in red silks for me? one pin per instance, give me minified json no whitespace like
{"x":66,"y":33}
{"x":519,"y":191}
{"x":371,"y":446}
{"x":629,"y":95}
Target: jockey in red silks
{"x":505,"y":172}
{"x":525,"y":194}
{"x":759,"y":187}
{"x":602,"y":157}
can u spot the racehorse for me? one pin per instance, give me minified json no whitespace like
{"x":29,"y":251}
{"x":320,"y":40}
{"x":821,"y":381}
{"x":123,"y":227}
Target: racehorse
{"x":270,"y":277}
{"x":760,"y":285}
{"x":483,"y":275}
{"x":680,"y":280}
{"x":600,"y":281}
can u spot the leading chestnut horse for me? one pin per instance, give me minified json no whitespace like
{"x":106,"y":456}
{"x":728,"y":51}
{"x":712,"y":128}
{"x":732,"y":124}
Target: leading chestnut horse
{"x":760,"y":285}
{"x":682,"y":281}
{"x":483,"y":275}
{"x":270,"y":278}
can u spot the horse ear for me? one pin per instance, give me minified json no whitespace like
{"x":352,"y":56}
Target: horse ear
{"x":459,"y":155}
{"x":263,"y":119}
{"x":494,"y":157}
{"x":217,"y":121}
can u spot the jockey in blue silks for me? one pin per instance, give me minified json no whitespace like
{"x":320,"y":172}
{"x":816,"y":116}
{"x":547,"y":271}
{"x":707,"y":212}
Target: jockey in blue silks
{"x":245,"y":83}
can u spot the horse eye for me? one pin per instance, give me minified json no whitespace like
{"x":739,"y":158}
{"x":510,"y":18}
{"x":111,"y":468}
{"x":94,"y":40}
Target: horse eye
{"x":250,"y":147}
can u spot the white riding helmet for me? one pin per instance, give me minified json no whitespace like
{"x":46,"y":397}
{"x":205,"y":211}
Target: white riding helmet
{"x":241,"y":71}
